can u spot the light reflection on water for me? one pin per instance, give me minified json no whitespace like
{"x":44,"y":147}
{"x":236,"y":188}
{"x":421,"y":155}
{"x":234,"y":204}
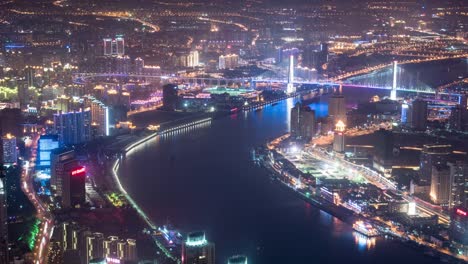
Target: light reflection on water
{"x":363,"y":242}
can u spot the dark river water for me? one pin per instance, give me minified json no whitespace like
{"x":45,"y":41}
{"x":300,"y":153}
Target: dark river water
{"x":211,"y":184}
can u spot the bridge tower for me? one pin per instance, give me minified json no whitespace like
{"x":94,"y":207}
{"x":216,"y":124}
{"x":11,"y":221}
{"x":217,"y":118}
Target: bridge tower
{"x":394,"y":83}
{"x":290,"y":87}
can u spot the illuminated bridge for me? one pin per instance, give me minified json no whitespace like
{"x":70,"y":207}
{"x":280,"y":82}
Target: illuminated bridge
{"x":391,"y":77}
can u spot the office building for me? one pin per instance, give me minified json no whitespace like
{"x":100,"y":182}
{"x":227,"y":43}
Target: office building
{"x":339,"y":137}
{"x":458,"y":183}
{"x":440,"y":184}
{"x":170,"y":97}
{"x":432,"y":155}
{"x":197,"y":250}
{"x":337,"y":107}
{"x":459,"y":229}
{"x":302,"y":122}
{"x":383,"y":151}
{"x":239,"y":259}
{"x":47,"y":143}
{"x":406,"y":114}
{"x":73,"y":127}
{"x":419,"y":115}
{"x":9,"y":150}
{"x":458,"y":120}
{"x":229,"y":61}
{"x":3,"y":224}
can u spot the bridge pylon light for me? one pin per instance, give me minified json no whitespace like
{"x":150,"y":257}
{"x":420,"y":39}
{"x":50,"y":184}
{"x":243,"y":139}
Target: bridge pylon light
{"x":393,"y":93}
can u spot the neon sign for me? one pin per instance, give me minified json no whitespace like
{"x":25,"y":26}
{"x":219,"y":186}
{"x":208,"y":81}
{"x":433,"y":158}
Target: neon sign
{"x":78,"y":171}
{"x":461,"y":212}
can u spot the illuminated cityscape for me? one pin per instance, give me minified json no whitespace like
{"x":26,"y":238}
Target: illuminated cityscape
{"x":221,"y":131}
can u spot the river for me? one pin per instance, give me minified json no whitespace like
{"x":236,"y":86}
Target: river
{"x":203,"y":179}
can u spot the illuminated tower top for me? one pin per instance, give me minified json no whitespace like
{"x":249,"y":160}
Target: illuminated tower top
{"x":340,"y":126}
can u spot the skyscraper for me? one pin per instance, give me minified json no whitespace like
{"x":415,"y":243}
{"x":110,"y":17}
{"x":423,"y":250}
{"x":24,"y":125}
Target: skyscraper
{"x":440,"y":184}
{"x":337,"y":106}
{"x":458,"y":183}
{"x":10,"y":153}
{"x":432,"y":155}
{"x":197,"y":250}
{"x":94,"y":246}
{"x":114,"y":47}
{"x":62,"y":161}
{"x":302,"y":122}
{"x":419,"y":115}
{"x":383,"y":151}
{"x":3,"y":225}
{"x":73,"y":127}
{"x":229,"y":61}
{"x":459,"y":229}
{"x":99,"y":116}
{"x":73,"y":187}
{"x":139,"y":65}
{"x":47,"y":143}
{"x":170,"y":97}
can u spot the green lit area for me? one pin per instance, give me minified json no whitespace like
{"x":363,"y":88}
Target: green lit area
{"x":30,"y":237}
{"x":230,"y":91}
{"x":7,"y":93}
{"x":116,"y":199}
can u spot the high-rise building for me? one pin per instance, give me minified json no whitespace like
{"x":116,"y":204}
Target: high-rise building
{"x":110,"y":247}
{"x":459,"y":229}
{"x":62,"y":161}
{"x":238,"y":259}
{"x":114,"y":47}
{"x":339,"y":137}
{"x":337,"y":106}
{"x":383,"y":156}
{"x":94,"y":246}
{"x":47,"y":143}
{"x":302,"y":122}
{"x":3,"y":224}
{"x":440,"y":184}
{"x":197,"y":250}
{"x":170,"y":97}
{"x":99,"y":116}
{"x":458,"y":118}
{"x":9,"y":149}
{"x":73,"y":127}
{"x":139,"y":65}
{"x":73,"y":187}
{"x":405,"y":114}
{"x":458,"y":183}
{"x":419,"y":115}
{"x":192,"y":59}
{"x":432,"y":155}
{"x":229,"y":61}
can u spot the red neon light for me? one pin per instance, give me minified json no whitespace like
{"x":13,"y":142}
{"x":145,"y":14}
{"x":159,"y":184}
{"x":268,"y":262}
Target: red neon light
{"x":461,"y":212}
{"x":77,"y":171}
{"x":234,"y":109}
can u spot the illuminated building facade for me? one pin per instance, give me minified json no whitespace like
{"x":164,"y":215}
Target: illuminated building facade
{"x":339,"y":137}
{"x":73,"y":127}
{"x":10,"y":152}
{"x":432,"y":155}
{"x":73,"y":187}
{"x":94,"y":246}
{"x":458,"y":183}
{"x":47,"y":143}
{"x":114,"y":47}
{"x":239,"y":259}
{"x":61,"y":161}
{"x":337,"y":107}
{"x":99,"y":116}
{"x":3,"y":224}
{"x":302,"y":122}
{"x":440,"y":184}
{"x":197,"y":250}
{"x":229,"y":61}
{"x":459,"y":229}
